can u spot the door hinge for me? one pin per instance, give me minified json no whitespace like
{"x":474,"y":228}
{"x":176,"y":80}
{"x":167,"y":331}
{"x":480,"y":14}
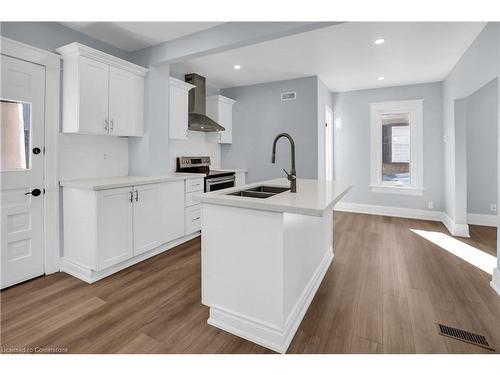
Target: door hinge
{"x":43,"y":190}
{"x":44,"y":150}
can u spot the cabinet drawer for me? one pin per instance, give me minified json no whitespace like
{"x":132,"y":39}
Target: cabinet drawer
{"x":189,"y":201}
{"x":193,"y":219}
{"x":194,"y":184}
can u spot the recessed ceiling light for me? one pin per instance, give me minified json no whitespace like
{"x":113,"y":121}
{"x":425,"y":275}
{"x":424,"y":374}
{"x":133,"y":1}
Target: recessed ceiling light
{"x":381,"y":78}
{"x":237,"y":67}
{"x":380,"y":41}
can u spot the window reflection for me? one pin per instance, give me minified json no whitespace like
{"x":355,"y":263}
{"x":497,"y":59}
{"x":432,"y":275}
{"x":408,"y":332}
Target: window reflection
{"x":396,"y":148}
{"x":15,"y":123}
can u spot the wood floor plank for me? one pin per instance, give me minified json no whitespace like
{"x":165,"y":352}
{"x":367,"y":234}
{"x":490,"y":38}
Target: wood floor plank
{"x":384,"y":293}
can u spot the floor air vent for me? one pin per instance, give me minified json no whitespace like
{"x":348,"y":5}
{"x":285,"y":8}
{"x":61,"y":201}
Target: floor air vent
{"x":465,"y":336}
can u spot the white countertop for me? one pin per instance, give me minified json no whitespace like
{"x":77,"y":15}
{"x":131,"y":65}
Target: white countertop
{"x":313,"y":197}
{"x":122,"y":181}
{"x":235,"y":170}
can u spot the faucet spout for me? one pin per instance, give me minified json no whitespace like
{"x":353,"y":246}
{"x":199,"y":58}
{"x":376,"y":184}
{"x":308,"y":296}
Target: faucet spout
{"x":292,"y":176}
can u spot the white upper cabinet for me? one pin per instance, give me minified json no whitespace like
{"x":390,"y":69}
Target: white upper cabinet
{"x":126,"y":102}
{"x":220,"y":109}
{"x":102,"y":94}
{"x":93,"y":103}
{"x":178,"y":108}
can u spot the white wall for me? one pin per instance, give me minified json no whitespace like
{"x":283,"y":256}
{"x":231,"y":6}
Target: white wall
{"x":324,"y":98}
{"x":80,"y":156}
{"x":197,"y":144}
{"x":259,"y":115}
{"x":351,"y":111}
{"x":477,"y":67}
{"x":482,"y":121}
{"x":86,"y":156}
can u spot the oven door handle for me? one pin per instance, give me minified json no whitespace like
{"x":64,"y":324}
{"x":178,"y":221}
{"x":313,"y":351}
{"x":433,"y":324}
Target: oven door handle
{"x":215,"y":180}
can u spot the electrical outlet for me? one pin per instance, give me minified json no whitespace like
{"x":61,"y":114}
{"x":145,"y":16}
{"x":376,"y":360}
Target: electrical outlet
{"x":430,"y":204}
{"x":493,"y":207}
{"x":445,"y":138}
{"x":105,"y":156}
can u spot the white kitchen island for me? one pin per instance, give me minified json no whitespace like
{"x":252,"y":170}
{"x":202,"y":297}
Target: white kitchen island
{"x":264,"y":259}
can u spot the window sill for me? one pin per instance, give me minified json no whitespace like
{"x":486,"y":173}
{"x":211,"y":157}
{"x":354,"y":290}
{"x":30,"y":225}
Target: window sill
{"x":404,"y":190}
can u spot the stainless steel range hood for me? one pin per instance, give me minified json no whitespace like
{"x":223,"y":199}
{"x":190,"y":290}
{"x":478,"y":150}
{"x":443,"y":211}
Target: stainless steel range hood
{"x":197,"y":120}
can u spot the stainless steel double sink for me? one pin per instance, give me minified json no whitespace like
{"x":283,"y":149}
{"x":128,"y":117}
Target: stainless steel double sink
{"x":260,"y":191}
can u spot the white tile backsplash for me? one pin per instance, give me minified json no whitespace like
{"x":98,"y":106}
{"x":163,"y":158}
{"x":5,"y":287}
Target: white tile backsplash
{"x":197,"y":144}
{"x":90,"y":156}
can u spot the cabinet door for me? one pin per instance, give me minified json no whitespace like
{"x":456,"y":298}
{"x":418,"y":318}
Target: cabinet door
{"x":114,"y":227}
{"x":147,"y":216}
{"x":178,"y":113}
{"x":93,"y":106}
{"x":171,"y":207}
{"x":226,"y":120}
{"x":126,"y":102}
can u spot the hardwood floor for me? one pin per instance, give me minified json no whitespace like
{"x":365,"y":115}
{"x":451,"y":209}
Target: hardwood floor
{"x":384,"y":293}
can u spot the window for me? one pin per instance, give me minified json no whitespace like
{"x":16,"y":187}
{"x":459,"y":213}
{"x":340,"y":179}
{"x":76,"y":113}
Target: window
{"x":15,"y":135}
{"x":396,"y":147}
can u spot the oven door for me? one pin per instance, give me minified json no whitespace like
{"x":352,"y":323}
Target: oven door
{"x":218,"y":183}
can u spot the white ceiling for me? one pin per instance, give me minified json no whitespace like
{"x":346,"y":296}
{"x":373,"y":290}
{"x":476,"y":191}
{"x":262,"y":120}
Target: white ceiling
{"x":133,"y":36}
{"x":344,"y":56}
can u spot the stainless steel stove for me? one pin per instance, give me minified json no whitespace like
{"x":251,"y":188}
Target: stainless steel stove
{"x":214,"y":179}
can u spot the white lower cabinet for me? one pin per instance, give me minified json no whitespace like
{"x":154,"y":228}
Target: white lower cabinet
{"x":114,"y":227}
{"x":147,"y":228}
{"x":171,"y":207}
{"x":193,"y":219}
{"x":106,"y":227}
{"x":192,"y":208}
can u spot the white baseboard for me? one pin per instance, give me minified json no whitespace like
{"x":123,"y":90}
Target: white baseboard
{"x":263,"y":334}
{"x":91,"y":276}
{"x":486,"y":220}
{"x":460,"y":230}
{"x":495,"y":281}
{"x":409,"y":213}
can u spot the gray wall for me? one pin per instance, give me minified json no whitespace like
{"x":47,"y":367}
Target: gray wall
{"x":477,"y":66}
{"x":352,"y":144}
{"x":324,"y":98}
{"x":482,"y":122}
{"x":259,"y":115}
{"x":51,"y":35}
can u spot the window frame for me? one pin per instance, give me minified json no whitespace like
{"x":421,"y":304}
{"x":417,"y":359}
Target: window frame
{"x":415,"y":110}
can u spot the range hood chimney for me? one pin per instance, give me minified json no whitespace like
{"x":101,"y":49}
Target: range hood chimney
{"x":197,"y":120}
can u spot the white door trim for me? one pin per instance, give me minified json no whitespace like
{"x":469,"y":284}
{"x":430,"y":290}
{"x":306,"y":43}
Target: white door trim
{"x":52,"y":64}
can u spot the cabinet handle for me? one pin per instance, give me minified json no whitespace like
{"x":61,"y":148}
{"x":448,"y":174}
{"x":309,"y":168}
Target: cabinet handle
{"x":196,"y":218}
{"x":112,"y":125}
{"x":137,"y":196}
{"x":131,"y":196}
{"x":106,"y":126}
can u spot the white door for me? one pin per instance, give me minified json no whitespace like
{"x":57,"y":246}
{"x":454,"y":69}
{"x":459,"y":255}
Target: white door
{"x":171,"y":207}
{"x":328,"y":143}
{"x":114,"y":227}
{"x":22,"y":130}
{"x":147,"y":229}
{"x":94,"y":84}
{"x":125,"y":102}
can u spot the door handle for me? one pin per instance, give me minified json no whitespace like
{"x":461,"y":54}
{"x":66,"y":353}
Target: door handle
{"x":131,"y":196}
{"x":137,"y":196}
{"x":106,"y":126}
{"x":34,"y":192}
{"x":112,"y":125}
